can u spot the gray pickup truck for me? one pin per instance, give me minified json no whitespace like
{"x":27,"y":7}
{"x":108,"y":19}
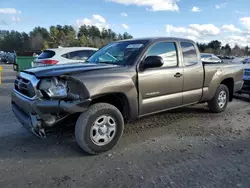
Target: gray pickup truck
{"x":124,"y":80}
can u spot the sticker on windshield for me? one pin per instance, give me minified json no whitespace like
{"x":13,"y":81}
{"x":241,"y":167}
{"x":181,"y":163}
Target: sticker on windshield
{"x":135,"y":46}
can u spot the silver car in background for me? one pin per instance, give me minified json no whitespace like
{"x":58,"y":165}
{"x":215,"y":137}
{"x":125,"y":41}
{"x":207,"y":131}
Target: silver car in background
{"x":61,"y":55}
{"x":210,"y":58}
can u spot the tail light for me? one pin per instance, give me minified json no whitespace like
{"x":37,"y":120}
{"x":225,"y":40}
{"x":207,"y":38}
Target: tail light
{"x":49,"y":62}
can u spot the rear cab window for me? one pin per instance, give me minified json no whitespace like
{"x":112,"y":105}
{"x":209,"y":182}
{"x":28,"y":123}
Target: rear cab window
{"x":46,"y":54}
{"x":189,"y":53}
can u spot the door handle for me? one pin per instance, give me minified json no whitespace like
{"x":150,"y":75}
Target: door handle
{"x":178,"y":75}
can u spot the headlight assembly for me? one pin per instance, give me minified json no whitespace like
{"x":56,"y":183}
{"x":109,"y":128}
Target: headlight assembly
{"x":54,"y":88}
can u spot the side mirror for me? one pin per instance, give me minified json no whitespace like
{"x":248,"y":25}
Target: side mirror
{"x":153,"y":62}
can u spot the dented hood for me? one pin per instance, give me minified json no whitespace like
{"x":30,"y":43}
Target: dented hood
{"x":67,"y":69}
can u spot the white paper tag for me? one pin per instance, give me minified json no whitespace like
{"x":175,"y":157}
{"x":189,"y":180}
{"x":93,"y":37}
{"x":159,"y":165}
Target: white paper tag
{"x":135,"y":46}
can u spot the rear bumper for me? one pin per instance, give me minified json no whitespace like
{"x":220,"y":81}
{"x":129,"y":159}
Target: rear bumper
{"x":37,"y":115}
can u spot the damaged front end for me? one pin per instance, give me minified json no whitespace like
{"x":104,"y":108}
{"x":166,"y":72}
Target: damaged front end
{"x":43,"y":103}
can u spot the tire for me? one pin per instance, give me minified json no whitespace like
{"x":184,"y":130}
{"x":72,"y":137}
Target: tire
{"x":215,"y":105}
{"x":86,"y":124}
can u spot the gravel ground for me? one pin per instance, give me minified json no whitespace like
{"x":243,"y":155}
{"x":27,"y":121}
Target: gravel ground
{"x":188,"y":147}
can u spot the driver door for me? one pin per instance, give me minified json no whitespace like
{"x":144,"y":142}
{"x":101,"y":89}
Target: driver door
{"x":161,"y":88}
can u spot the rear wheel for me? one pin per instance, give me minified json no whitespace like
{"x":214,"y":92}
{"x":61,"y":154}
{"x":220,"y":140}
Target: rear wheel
{"x":99,"y":128}
{"x":220,"y":99}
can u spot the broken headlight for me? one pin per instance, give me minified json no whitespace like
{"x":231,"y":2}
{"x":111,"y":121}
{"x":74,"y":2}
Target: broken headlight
{"x":53,"y":88}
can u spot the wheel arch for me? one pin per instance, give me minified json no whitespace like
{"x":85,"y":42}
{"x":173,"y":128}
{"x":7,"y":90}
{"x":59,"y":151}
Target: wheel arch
{"x":119,"y":100}
{"x":229,"y":82}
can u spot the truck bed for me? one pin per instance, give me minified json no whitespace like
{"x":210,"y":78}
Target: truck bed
{"x":215,"y":74}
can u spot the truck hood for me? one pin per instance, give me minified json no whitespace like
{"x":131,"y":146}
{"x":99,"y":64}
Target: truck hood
{"x":66,"y":69}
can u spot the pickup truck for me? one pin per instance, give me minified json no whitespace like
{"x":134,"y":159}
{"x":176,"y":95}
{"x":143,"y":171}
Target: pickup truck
{"x":124,"y":80}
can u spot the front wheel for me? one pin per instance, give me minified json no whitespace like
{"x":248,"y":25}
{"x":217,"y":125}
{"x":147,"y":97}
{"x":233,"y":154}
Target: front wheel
{"x":220,"y":99}
{"x":99,"y":128}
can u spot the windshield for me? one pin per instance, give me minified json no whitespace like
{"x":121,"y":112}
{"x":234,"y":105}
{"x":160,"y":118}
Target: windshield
{"x":120,"y":53}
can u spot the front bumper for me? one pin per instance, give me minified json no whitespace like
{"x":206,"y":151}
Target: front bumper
{"x":37,"y":115}
{"x":26,"y":120}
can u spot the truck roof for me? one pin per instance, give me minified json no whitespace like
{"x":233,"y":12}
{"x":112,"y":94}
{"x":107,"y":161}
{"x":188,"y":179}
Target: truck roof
{"x":159,"y":38}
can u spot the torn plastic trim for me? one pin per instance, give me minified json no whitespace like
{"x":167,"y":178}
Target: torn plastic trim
{"x":60,"y":106}
{"x":29,"y":121}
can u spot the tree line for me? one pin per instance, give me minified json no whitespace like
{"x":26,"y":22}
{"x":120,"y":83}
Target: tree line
{"x":40,"y":38}
{"x":216,"y":47}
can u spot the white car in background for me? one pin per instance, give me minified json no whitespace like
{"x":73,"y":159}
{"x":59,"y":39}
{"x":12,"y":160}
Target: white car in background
{"x":210,"y":58}
{"x":58,"y":56}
